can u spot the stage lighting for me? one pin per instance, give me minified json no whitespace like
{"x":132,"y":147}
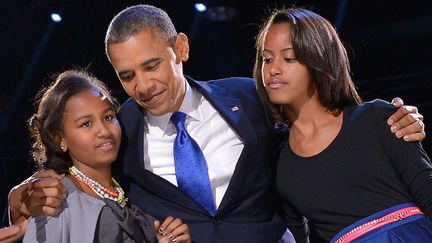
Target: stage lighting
{"x":200,"y":7}
{"x":56,"y":17}
{"x":221,"y":13}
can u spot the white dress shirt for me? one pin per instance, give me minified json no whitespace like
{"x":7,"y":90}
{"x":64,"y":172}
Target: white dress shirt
{"x":220,"y":144}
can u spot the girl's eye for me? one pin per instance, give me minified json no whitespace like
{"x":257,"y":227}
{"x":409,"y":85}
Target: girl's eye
{"x":109,"y":118}
{"x":266,"y":60}
{"x":86,"y":124}
{"x":290,"y":59}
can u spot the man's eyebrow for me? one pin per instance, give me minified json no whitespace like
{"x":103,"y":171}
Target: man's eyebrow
{"x":144,"y":64}
{"x":151,"y":61}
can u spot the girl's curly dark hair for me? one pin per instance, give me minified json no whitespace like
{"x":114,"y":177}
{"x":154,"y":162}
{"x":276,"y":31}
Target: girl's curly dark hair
{"x":46,"y":124}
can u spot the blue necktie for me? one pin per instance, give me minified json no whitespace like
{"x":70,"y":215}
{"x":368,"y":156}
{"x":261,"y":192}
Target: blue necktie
{"x":190,"y":165}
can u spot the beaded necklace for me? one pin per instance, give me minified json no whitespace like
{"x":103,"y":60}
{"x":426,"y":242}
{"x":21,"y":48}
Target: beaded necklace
{"x":118,"y":195}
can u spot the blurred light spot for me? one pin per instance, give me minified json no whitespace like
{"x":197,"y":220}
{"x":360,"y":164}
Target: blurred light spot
{"x":200,"y":7}
{"x":56,"y":17}
{"x":221,"y":13}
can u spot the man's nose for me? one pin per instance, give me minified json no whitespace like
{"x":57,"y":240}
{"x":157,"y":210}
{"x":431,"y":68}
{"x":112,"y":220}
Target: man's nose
{"x":144,"y":85}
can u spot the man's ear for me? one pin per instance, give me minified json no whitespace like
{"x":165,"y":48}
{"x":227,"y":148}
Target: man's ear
{"x":181,"y":47}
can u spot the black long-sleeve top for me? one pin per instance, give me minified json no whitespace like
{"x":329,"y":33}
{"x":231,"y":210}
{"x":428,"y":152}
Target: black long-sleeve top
{"x":364,"y":170}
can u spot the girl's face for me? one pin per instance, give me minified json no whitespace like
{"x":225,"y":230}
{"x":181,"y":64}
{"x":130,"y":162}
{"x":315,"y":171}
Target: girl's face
{"x":91,"y":133}
{"x":287,"y":81}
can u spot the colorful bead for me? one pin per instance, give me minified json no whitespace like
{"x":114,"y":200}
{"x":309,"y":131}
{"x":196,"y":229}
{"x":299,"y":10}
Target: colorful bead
{"x":118,"y":195}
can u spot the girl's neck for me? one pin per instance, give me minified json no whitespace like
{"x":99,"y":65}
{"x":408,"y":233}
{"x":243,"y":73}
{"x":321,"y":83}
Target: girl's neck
{"x":307,"y":118}
{"x":307,"y":112}
{"x":312,"y":127}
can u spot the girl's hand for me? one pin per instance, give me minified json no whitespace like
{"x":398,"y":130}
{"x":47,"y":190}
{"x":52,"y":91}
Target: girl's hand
{"x":172,"y":230}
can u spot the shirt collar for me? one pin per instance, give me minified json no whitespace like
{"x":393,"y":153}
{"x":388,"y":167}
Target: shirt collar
{"x":191,"y":105}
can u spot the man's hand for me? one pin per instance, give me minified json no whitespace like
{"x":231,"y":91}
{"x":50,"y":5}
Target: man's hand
{"x":172,"y":230}
{"x":41,"y":194}
{"x":13,"y":233}
{"x":406,"y":122}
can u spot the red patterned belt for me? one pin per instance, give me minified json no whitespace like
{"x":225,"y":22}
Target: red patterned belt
{"x":377,"y":223}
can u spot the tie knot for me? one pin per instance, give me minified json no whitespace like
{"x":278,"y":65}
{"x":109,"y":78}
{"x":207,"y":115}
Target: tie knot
{"x":178,"y":118}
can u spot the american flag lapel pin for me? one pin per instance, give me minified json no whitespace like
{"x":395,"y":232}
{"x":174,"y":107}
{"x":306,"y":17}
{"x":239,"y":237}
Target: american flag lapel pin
{"x":234,"y":108}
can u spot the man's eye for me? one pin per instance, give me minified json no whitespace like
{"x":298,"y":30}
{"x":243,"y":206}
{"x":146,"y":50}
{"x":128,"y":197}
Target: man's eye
{"x":126,"y":78}
{"x":152,"y":67}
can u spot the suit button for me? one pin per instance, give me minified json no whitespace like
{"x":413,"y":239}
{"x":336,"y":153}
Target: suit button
{"x":216,"y":220}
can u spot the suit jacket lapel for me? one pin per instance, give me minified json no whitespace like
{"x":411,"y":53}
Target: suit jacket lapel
{"x":147,"y":180}
{"x":233,"y":112}
{"x":230,"y":108}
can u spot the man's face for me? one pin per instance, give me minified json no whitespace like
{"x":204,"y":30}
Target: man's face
{"x":151,"y":71}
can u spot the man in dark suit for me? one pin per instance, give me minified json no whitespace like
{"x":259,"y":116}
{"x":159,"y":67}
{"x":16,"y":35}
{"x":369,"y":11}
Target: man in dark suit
{"x":147,"y":54}
{"x":224,"y":116}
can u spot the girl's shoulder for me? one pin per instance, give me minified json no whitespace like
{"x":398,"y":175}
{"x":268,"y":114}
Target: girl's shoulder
{"x":376,"y":110}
